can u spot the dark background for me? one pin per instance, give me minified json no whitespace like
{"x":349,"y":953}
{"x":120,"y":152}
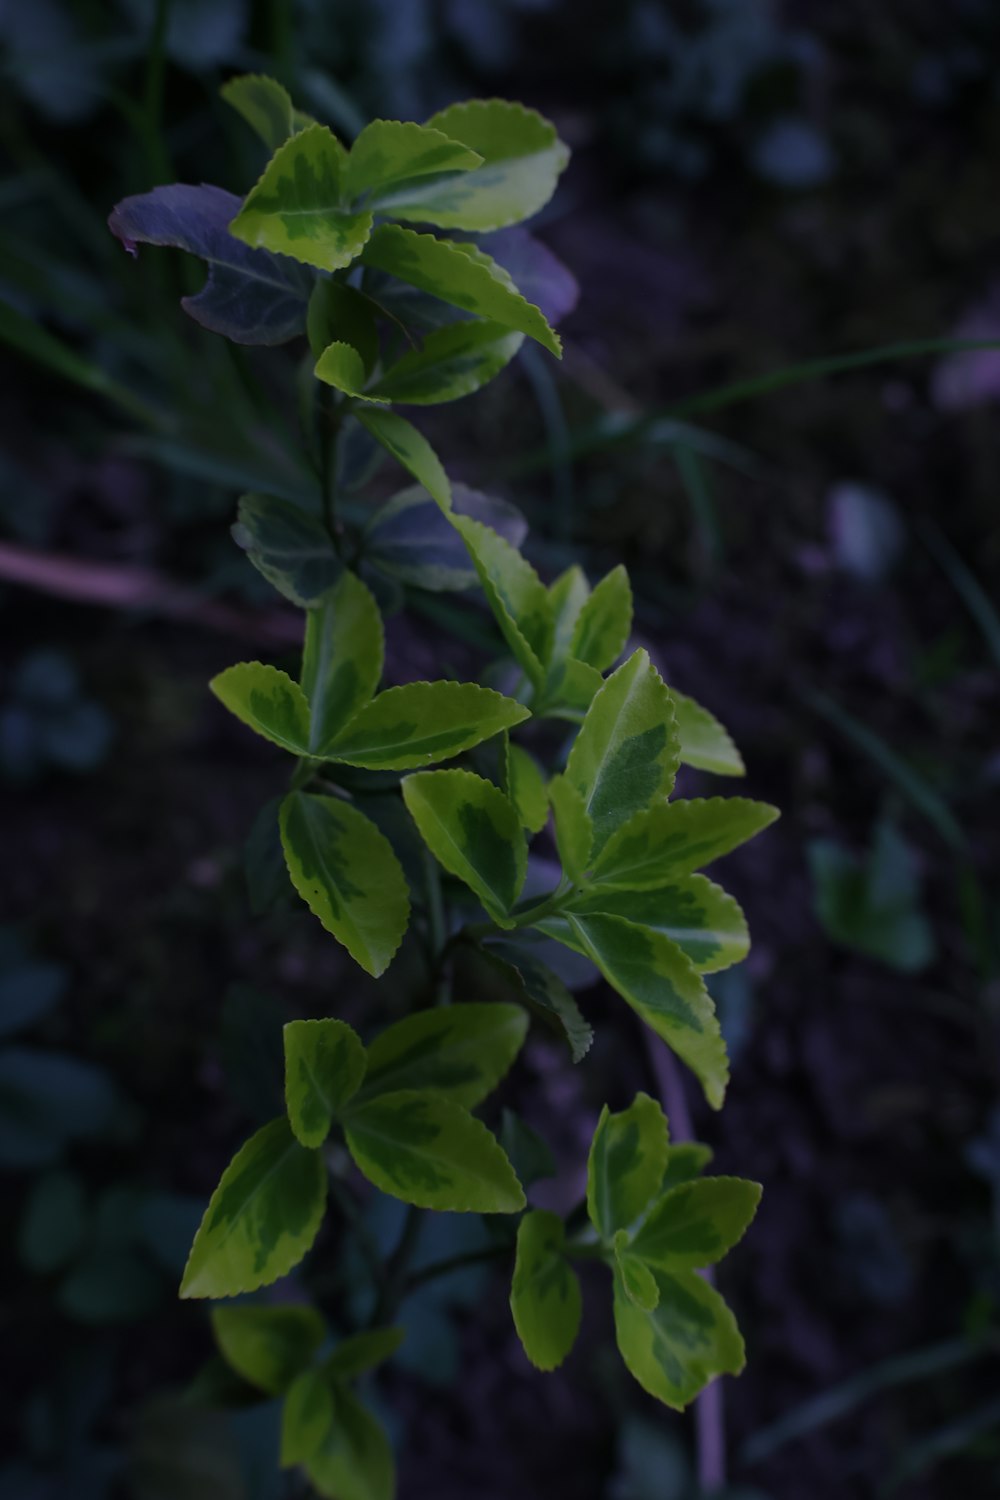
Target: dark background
{"x":753,"y":186}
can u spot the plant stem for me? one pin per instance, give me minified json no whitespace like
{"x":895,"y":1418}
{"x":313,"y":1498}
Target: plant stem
{"x":709,"y":1413}
{"x":454,"y":1263}
{"x":396,"y":1269}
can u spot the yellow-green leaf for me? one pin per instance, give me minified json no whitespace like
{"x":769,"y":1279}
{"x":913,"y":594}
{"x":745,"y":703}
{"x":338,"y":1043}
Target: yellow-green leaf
{"x":604,"y":622}
{"x":265,"y":105}
{"x":267,"y":701}
{"x":410,"y":448}
{"x":625,"y":1167}
{"x":421,"y":723}
{"x":674,"y":838}
{"x":574,"y":827}
{"x":697,"y":1223}
{"x":545,"y":1292}
{"x":324,"y":1066}
{"x":705,"y":923}
{"x":705,"y":743}
{"x":297,"y":206}
{"x":451,"y":362}
{"x":354,"y":1461}
{"x":522,"y":159}
{"x":462,"y":275}
{"x":262,"y":1218}
{"x":626,"y":754}
{"x":474,"y":831}
{"x":341,"y":659}
{"x":690,"y":1336}
{"x":341,"y":366}
{"x":526,"y":788}
{"x":390,"y":152}
{"x":461,"y":1051}
{"x":515,"y":594}
{"x":347,"y":874}
{"x":427,"y":1150}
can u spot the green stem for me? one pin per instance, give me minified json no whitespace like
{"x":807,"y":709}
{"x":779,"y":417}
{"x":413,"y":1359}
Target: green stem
{"x":455,"y":1263}
{"x":395,"y":1285}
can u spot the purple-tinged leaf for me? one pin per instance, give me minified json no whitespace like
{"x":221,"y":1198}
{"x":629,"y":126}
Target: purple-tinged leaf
{"x":251,"y":296}
{"x":538,"y":274}
{"x":412,"y":540}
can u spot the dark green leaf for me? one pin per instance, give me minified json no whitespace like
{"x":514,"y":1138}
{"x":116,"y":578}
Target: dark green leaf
{"x":542,"y":990}
{"x":340,"y":313}
{"x":291,"y":548}
{"x":53,"y":1223}
{"x":410,"y":539}
{"x":306,"y":1417}
{"x":264,"y":104}
{"x":363,"y":1352}
{"x":410,"y":448}
{"x":355,"y":1461}
{"x":268,"y":1346}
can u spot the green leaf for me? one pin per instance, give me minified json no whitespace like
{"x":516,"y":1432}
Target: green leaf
{"x":341,"y":366}
{"x":460,"y":1051}
{"x":705,"y":923}
{"x":705,"y":744}
{"x":664,"y":989}
{"x":410,"y":448}
{"x":355,"y":1459}
{"x":543,"y":991}
{"x":570,"y":690}
{"x":685,"y":1162}
{"x":346,"y":872}
{"x":626,"y":754}
{"x":429,"y":1151}
{"x":636,"y":1278}
{"x":474,"y":831}
{"x":268,"y":701}
{"x":423,"y":722}
{"x":687,"y":1339}
{"x":264,"y":104}
{"x":324,"y":1066}
{"x":291,"y":548}
{"x":460,"y":274}
{"x":296,"y":207}
{"x":363,"y":1351}
{"x":604,"y":622}
{"x":545,"y":1291}
{"x":574,"y":827}
{"x":338,"y":312}
{"x":697,"y":1223}
{"x":53,"y":1225}
{"x":625,"y":1167}
{"x":674,"y":838}
{"x":522,"y":159}
{"x":268,"y":1346}
{"x":306,"y":1417}
{"x":529,"y":1154}
{"x":526,"y":788}
{"x":410,"y":539}
{"x":567,"y":596}
{"x":341,"y":659}
{"x":451,"y":362}
{"x":515,"y":594}
{"x":262,"y":1218}
{"x":390,"y":152}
